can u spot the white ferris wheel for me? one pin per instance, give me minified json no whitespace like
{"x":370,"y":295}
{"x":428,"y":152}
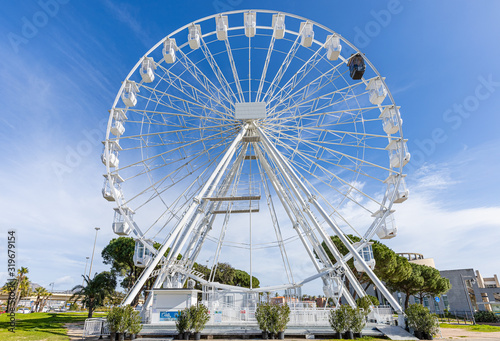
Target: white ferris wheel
{"x":250,"y":135}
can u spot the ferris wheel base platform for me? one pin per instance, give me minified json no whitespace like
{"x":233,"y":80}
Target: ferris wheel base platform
{"x":240,"y":331}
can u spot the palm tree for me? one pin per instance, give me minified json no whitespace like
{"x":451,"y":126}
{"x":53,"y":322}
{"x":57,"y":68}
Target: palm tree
{"x":39,"y":293}
{"x":95,"y":290}
{"x":23,"y":287}
{"x":41,"y":297}
{"x":46,"y":295}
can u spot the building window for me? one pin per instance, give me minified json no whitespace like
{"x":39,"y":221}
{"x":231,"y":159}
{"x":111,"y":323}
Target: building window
{"x":426,"y":302}
{"x":436,"y":306}
{"x":229,"y":300}
{"x":416,"y":300}
{"x":445,"y":302}
{"x":400,"y":298}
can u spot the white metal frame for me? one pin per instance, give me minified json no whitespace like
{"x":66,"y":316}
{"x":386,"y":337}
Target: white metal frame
{"x":182,"y":136}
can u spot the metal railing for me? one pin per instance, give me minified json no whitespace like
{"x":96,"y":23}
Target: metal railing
{"x":298,"y":317}
{"x":95,"y":327}
{"x":381,"y":315}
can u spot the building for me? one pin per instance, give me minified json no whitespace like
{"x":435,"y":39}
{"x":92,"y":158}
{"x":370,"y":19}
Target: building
{"x":418,"y":258}
{"x":489,"y":288}
{"x":470,"y":291}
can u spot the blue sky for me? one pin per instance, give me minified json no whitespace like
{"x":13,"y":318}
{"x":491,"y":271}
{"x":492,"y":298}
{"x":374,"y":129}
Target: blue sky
{"x":62,"y":65}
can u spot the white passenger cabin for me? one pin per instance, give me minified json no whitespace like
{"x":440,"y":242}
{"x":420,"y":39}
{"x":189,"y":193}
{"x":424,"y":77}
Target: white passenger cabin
{"x":221,"y":25}
{"x":278,"y":26}
{"x":194,"y":36}
{"x":113,"y":149}
{"x":367,"y":254}
{"x":250,"y":23}
{"x":390,"y":119}
{"x":115,"y":182}
{"x":307,"y":35}
{"x":397,"y":148}
{"x":120,"y":224}
{"x":148,"y":68}
{"x":333,"y":289}
{"x":387,"y":228}
{"x":118,"y":127}
{"x":169,"y":48}
{"x":376,"y":90}
{"x":402,"y":193}
{"x":333,"y":47}
{"x":142,"y":255}
{"x":129,"y":92}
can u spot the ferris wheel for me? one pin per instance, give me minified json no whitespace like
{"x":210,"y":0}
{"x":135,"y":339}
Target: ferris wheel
{"x":255,"y":131}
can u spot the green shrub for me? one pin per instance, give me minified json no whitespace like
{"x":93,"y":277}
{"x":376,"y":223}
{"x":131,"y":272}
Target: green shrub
{"x":283,"y":317}
{"x":262,"y":315}
{"x":116,"y":320}
{"x":486,"y":316}
{"x":367,"y":301}
{"x":133,"y":320}
{"x":420,"y":318}
{"x":272,"y":318}
{"x":182,"y":324}
{"x":200,"y":317}
{"x":74,"y":306}
{"x":341,"y":318}
{"x":358,"y":320}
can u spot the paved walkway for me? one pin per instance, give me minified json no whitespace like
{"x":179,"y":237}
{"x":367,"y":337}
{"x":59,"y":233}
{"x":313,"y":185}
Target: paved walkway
{"x":461,"y":334}
{"x":75,"y":332}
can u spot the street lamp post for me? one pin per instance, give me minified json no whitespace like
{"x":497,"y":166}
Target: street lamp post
{"x":51,"y":293}
{"x":85,"y":272}
{"x":467,"y":296}
{"x":92,"y":260}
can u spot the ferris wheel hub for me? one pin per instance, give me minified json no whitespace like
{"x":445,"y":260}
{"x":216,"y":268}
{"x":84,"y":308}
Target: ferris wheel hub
{"x":250,"y":110}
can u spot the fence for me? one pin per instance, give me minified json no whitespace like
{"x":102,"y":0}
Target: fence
{"x":95,"y":327}
{"x":381,"y":315}
{"x":457,"y":316}
{"x":298,"y":317}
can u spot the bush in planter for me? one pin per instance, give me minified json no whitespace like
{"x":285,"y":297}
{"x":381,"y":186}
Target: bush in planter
{"x":122,"y":326}
{"x":486,"y":316}
{"x":116,"y":321}
{"x":273,"y":316}
{"x":282,"y":319}
{"x":134,"y":321}
{"x":262,"y":315}
{"x":200,"y":317}
{"x":182,"y":323}
{"x":358,"y":320}
{"x":340,"y":319}
{"x":420,"y":319}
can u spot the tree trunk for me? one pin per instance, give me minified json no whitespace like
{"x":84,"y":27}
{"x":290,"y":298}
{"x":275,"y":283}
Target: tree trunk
{"x":44,"y":302}
{"x":91,"y":308}
{"x":407,"y":300}
{"x":37,"y":303}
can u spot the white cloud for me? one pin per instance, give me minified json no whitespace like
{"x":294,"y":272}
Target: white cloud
{"x":64,"y":281}
{"x":122,"y":13}
{"x":431,"y":223}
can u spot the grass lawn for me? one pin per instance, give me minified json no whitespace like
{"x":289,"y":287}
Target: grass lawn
{"x":473,"y":328}
{"x":39,"y":326}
